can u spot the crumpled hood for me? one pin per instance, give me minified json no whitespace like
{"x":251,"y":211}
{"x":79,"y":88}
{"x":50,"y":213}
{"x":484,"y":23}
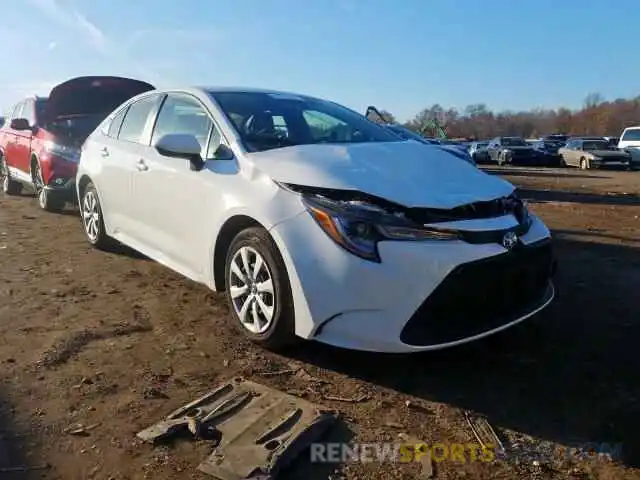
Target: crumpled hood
{"x":407,"y":173}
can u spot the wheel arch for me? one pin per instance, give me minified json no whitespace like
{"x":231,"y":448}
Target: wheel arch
{"x":231,"y":227}
{"x":82,"y":185}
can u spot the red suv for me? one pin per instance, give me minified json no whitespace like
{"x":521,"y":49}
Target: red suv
{"x":41,"y":139}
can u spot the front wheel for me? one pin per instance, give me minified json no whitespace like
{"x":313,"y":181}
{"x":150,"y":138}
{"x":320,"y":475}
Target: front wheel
{"x":92,"y":219}
{"x":584,"y":164}
{"x":47,"y":199}
{"x":258,"y":290}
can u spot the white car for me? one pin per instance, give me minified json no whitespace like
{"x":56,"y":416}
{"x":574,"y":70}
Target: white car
{"x":318,"y":223}
{"x":630,"y":142}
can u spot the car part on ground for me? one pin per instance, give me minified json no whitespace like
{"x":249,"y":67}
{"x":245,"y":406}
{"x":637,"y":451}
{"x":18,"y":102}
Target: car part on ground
{"x":256,"y":430}
{"x":317,"y":223}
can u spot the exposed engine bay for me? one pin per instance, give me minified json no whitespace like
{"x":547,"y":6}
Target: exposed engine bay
{"x":418,"y":215}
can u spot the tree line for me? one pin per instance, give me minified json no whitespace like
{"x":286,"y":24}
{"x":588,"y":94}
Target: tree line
{"x":596,"y":117}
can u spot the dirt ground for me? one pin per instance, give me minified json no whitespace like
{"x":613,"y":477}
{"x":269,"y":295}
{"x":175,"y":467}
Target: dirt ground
{"x":113,"y":342}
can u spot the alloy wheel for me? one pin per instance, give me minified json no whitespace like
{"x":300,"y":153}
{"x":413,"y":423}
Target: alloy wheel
{"x":251,"y":290}
{"x":38,"y":183}
{"x":91,"y":216}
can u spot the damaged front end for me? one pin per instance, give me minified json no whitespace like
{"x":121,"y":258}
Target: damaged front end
{"x":358,"y":221}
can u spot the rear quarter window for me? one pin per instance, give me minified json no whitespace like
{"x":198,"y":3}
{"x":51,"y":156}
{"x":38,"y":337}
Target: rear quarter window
{"x":113,"y":127}
{"x":631,"y":135}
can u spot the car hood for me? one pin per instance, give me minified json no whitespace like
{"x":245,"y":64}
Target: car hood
{"x":407,"y":173}
{"x":92,"y":95}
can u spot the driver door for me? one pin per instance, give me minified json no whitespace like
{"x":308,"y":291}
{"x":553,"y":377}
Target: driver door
{"x":180,"y":211}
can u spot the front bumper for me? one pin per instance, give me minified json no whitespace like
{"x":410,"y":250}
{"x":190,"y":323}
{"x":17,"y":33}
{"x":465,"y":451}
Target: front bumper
{"x":59,"y":176}
{"x":611,"y":162}
{"x":422,"y":296}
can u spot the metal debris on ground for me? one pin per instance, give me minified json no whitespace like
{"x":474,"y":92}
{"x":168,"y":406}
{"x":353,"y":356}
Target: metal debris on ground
{"x":484,"y":433}
{"x":257,"y":430}
{"x":358,"y":399}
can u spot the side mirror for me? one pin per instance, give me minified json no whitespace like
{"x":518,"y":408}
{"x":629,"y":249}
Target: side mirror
{"x":223,"y":153}
{"x":181,"y":145}
{"x":20,"y":124}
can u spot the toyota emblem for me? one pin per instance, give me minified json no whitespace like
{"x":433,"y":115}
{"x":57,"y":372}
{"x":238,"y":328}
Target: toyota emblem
{"x":509,"y":240}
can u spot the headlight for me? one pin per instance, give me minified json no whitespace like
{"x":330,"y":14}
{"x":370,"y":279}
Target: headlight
{"x":68,"y":153}
{"x":358,"y":227}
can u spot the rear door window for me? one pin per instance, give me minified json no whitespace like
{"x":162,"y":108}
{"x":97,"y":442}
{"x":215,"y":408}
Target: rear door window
{"x":135,"y":119}
{"x":116,"y":123}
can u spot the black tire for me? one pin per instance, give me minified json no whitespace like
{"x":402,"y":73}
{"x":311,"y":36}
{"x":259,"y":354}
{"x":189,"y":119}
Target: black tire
{"x":47,"y":200}
{"x":98,"y":237}
{"x":281,"y":331}
{"x":9,"y":186}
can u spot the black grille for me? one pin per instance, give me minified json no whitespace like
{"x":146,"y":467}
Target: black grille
{"x":482,"y":295}
{"x":476,"y":210}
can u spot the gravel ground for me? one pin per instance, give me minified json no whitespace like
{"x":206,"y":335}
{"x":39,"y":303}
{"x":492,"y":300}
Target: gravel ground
{"x":114,"y":341}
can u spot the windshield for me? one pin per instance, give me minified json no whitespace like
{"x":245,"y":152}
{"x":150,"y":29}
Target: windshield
{"x":273,"y":120}
{"x":596,"y":145}
{"x":556,"y":138}
{"x":407,"y":134}
{"x":482,"y":145}
{"x":513,"y":142}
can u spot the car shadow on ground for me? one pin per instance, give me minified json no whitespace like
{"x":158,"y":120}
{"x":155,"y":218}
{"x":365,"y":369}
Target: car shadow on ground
{"x":14,"y":464}
{"x":512,"y":172}
{"x":544,"y":196}
{"x":568,"y":375}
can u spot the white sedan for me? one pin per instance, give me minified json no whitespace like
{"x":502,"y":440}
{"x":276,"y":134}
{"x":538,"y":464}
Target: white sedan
{"x":318,"y":223}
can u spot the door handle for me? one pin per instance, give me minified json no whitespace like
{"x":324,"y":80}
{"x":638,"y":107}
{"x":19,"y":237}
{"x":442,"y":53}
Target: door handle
{"x":104,"y":151}
{"x":141,"y":166}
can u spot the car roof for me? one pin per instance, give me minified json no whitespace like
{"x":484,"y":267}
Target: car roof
{"x":214,"y":90}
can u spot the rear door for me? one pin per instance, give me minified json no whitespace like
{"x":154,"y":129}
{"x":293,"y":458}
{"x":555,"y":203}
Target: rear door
{"x":11,"y":152}
{"x":122,"y":150}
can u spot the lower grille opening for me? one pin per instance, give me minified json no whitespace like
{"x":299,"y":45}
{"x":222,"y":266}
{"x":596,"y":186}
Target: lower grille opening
{"x":482,"y":295}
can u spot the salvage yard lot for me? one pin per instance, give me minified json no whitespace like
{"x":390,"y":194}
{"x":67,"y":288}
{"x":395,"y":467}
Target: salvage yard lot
{"x":115,"y":341}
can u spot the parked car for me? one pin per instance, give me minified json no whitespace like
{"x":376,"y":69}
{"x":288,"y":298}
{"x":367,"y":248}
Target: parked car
{"x":1,"y":122}
{"x":40,"y":145}
{"x":588,"y":153}
{"x":630,"y":142}
{"x":407,"y":134}
{"x":479,"y":152}
{"x":556,"y":138}
{"x":513,"y":150}
{"x":328,"y":228}
{"x":549,"y":150}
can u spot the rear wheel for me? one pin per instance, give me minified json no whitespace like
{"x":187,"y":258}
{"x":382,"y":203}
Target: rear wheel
{"x":92,"y":219}
{"x":9,"y":186}
{"x":258,"y":290}
{"x":47,"y":199}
